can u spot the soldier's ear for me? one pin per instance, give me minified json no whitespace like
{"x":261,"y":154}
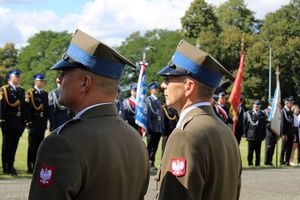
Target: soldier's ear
{"x":86,"y":83}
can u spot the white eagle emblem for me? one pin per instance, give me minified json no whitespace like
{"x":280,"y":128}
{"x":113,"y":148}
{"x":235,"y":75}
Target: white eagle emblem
{"x":178,"y":166}
{"x":46,"y":175}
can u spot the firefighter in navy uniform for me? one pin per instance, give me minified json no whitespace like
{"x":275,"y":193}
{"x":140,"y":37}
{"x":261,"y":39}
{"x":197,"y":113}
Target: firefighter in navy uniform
{"x":129,"y":108}
{"x":255,"y":122}
{"x":12,"y":99}
{"x":286,"y":131}
{"x":37,"y":117}
{"x":154,"y":122}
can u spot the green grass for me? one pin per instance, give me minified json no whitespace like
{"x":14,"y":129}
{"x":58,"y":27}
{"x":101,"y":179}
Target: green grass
{"x":21,"y":156}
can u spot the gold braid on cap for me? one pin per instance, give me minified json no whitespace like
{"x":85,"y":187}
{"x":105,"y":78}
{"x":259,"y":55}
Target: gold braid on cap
{"x":40,"y":107}
{"x":15,"y":104}
{"x":167,"y":114}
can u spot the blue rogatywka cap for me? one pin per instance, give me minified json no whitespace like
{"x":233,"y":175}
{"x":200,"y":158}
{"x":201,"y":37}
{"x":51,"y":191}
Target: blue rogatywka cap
{"x":92,"y":55}
{"x":153,"y":85}
{"x":133,"y":87}
{"x":14,"y":72}
{"x":39,"y":77}
{"x":289,"y":99}
{"x":191,"y":61}
{"x":257,"y":102}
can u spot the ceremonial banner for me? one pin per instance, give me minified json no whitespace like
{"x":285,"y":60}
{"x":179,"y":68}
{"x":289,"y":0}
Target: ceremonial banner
{"x":275,"y":114}
{"x":141,"y":107}
{"x":235,"y":95}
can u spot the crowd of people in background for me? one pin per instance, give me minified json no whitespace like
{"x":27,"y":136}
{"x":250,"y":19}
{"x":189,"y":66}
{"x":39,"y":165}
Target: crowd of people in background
{"x":34,"y":108}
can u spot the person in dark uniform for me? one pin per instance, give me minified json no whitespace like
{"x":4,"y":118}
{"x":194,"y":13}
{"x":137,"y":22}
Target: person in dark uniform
{"x":37,"y":116}
{"x":286,"y":131}
{"x":170,"y":118}
{"x":154,"y":122}
{"x":96,"y":155}
{"x":222,"y":109}
{"x":58,"y":114}
{"x":12,"y":100}
{"x":119,"y":103}
{"x":129,"y":107}
{"x":239,"y":129}
{"x":271,"y":139}
{"x":255,"y":121}
{"x":202,"y":158}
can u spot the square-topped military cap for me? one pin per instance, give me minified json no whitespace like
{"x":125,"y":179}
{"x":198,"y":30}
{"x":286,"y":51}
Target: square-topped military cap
{"x":92,"y":55}
{"x":191,"y":61}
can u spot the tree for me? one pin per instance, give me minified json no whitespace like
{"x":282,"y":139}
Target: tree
{"x":281,"y":31}
{"x":157,"y":44}
{"x":8,"y":60}
{"x":43,"y":50}
{"x":198,"y":18}
{"x":235,"y":13}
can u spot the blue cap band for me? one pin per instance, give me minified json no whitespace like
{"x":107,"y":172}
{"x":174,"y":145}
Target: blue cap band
{"x":99,"y":66}
{"x":198,"y":72}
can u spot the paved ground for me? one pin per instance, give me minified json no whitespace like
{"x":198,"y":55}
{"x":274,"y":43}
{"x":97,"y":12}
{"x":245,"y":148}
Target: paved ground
{"x":266,"y":184}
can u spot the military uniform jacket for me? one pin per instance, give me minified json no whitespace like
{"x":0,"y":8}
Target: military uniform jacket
{"x":255,"y":125}
{"x":12,"y":106}
{"x":286,"y":125}
{"x":201,"y":160}
{"x":154,"y":115}
{"x":98,"y":156}
{"x":37,"y":108}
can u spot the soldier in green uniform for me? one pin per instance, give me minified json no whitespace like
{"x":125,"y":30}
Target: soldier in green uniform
{"x":96,"y":155}
{"x":37,"y":116}
{"x":202,"y":158}
{"x":12,"y":99}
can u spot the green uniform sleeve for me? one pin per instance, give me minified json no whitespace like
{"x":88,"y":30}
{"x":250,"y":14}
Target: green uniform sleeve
{"x":57,"y":172}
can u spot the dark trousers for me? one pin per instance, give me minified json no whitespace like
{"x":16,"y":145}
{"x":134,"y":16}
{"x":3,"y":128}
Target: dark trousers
{"x":152,"y":144}
{"x":270,"y":143}
{"x":10,"y":141}
{"x":286,"y":150}
{"x":254,"y":146}
{"x":35,"y":138}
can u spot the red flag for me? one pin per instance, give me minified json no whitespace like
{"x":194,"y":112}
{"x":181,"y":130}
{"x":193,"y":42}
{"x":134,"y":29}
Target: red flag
{"x":235,"y":94}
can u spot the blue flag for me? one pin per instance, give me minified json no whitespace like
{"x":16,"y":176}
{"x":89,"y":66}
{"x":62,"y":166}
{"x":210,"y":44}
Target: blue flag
{"x":275,"y":114}
{"x":141,"y":107}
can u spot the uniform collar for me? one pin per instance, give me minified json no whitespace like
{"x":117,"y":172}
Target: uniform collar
{"x":188,"y":109}
{"x":154,"y":97}
{"x":12,"y":85}
{"x":83,"y":112}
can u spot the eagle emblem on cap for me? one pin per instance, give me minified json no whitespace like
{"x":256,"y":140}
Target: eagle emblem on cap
{"x":46,"y":175}
{"x":178,"y":166}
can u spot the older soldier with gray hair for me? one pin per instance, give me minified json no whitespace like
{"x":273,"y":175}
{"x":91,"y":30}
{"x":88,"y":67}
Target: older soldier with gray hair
{"x":202,"y":158}
{"x":97,"y":155}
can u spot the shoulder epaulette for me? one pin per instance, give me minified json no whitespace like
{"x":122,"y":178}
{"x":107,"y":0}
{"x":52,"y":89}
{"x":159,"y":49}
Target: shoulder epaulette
{"x":66,"y":124}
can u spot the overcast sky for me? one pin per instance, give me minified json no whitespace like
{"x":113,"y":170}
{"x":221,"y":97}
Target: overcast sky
{"x":110,"y":21}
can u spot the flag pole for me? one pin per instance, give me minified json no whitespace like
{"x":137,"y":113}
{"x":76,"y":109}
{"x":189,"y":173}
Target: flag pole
{"x":276,"y":144}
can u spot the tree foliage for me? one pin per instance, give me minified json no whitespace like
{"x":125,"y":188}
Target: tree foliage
{"x":43,"y":50}
{"x":235,"y":13}
{"x":158,"y":46}
{"x":8,"y":60}
{"x":217,"y":31}
{"x":198,"y":18}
